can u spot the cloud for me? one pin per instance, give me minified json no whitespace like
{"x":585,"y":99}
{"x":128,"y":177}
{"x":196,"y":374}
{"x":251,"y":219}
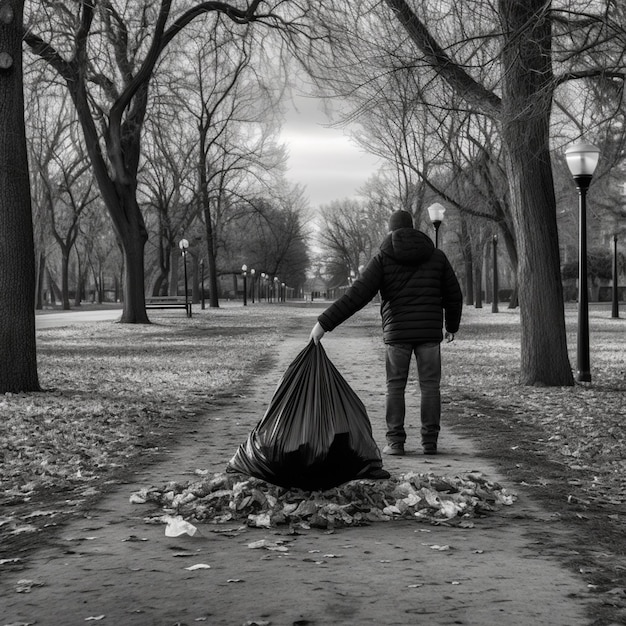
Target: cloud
{"x":323,"y":159}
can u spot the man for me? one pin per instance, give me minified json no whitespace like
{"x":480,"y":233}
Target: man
{"x":419,"y":294}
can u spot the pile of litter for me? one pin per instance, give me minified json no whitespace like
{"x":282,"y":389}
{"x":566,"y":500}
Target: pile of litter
{"x":234,"y":497}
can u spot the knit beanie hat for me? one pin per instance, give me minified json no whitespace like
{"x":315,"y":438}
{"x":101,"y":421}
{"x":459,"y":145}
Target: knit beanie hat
{"x":400,"y":219}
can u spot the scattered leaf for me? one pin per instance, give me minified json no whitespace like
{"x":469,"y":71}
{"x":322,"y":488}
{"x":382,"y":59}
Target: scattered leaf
{"x":25,"y":585}
{"x":133,"y":538}
{"x":276,"y":546}
{"x":618,"y":591}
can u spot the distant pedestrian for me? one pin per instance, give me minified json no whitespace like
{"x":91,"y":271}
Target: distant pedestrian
{"x":419,"y":294}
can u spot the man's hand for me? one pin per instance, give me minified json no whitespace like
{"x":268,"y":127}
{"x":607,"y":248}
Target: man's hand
{"x":449,"y":337}
{"x":317,"y":333}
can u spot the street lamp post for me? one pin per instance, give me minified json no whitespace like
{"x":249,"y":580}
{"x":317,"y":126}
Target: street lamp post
{"x":582,"y":159}
{"x":252,"y":272}
{"x":202,"y":283}
{"x":614,"y":300}
{"x":436,"y":212}
{"x":494,"y":301}
{"x":183,"y":244}
{"x":244,"y":273}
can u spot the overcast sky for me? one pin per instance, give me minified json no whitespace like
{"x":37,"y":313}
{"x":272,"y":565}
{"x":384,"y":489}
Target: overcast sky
{"x":322,"y":159}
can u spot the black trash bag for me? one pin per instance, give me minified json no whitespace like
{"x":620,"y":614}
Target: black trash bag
{"x":315,"y":434}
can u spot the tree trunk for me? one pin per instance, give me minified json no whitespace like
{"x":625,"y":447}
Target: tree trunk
{"x":511,"y":249}
{"x":79,"y":296}
{"x":100,"y":286}
{"x":468,"y":263}
{"x":478,"y":285}
{"x":487,"y":272}
{"x":208,"y":221}
{"x":469,"y":281}
{"x":41,"y":273}
{"x":213,"y":295}
{"x":159,"y":284}
{"x":53,"y":289}
{"x":172,"y":281}
{"x":195,"y":279}
{"x":65,"y":286}
{"x":133,"y":236}
{"x":134,"y":311}
{"x":526,"y":102}
{"x":18,"y":355}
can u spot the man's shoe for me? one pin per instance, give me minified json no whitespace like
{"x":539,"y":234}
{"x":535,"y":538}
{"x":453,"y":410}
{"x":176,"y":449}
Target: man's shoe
{"x":378,"y":473}
{"x":394,"y":449}
{"x":430,"y":448}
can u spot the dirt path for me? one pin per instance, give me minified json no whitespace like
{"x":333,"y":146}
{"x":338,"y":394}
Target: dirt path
{"x":112,"y":568}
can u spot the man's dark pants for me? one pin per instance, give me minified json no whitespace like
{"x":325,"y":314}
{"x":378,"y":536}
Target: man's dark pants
{"x":398,"y":362}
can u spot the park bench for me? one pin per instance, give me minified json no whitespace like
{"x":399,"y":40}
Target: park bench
{"x":169,"y":302}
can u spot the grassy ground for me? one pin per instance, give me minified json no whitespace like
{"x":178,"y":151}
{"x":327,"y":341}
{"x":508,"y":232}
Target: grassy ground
{"x":113,"y":396}
{"x":115,"y":393}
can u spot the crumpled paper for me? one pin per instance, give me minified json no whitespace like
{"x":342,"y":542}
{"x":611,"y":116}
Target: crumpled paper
{"x":177,"y":526}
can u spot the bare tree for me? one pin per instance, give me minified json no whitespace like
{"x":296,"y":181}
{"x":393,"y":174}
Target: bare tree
{"x":98,"y":250}
{"x":345,"y":239}
{"x":43,"y":127}
{"x":167,"y":190}
{"x":234,"y":115}
{"x":70,"y":192}
{"x":106,"y":54}
{"x":272,"y":239}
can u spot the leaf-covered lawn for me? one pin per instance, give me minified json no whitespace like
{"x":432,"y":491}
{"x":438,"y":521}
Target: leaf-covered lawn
{"x":110,"y":392}
{"x":581,"y":427}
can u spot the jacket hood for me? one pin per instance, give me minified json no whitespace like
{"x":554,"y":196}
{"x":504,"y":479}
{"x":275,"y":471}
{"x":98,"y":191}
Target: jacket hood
{"x":408,"y":246}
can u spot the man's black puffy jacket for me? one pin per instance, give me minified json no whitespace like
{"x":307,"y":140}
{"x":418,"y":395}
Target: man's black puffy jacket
{"x":417,"y":285}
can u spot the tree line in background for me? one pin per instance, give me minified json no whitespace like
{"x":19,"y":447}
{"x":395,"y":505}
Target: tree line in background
{"x":196,"y":157}
{"x":148,"y":122}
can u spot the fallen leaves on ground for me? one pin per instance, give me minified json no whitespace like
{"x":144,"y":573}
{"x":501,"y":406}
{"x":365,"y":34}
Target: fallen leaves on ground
{"x":229,"y":497}
{"x":114,"y":394}
{"x":580,"y":427}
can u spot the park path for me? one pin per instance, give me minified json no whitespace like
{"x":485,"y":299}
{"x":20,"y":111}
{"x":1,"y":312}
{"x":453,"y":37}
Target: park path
{"x":111,"y":567}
